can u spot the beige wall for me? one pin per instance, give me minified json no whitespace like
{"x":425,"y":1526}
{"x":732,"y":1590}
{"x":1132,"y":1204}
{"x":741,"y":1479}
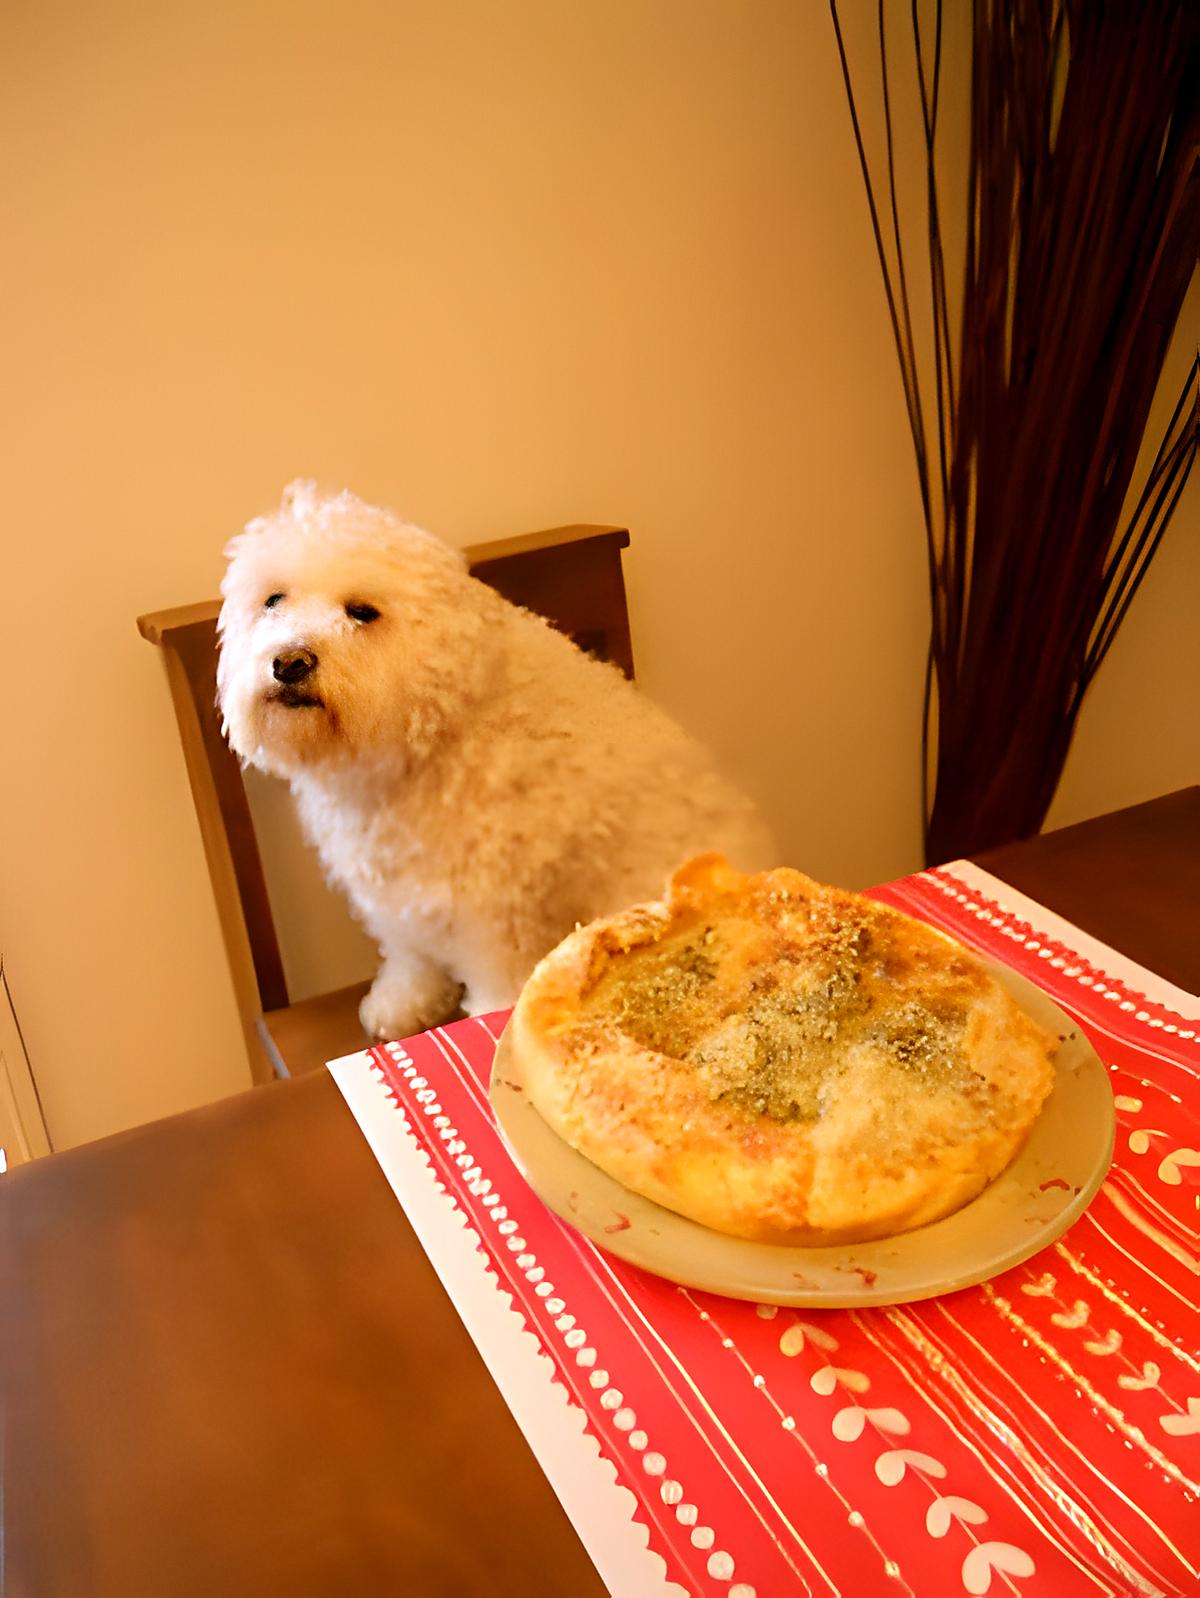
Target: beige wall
{"x":1138,"y":733}
{"x":498,"y":265}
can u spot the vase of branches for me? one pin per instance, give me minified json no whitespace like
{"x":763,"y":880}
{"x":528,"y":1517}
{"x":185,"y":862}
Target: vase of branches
{"x":1082,"y":223}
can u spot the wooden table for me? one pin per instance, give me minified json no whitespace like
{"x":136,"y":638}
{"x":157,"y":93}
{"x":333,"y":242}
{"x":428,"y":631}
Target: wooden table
{"x":1131,"y":878}
{"x":230,"y":1369}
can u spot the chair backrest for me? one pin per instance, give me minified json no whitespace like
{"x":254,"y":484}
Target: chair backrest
{"x":570,"y":575}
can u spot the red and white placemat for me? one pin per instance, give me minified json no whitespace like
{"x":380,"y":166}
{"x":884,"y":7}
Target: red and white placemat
{"x":1037,"y":1435}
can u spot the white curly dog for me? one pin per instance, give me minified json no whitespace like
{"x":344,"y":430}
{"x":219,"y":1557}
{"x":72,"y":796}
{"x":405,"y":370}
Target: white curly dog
{"x":474,"y":783}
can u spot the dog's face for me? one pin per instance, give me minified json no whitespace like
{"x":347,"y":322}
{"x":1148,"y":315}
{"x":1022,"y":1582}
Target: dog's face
{"x":347,"y":635}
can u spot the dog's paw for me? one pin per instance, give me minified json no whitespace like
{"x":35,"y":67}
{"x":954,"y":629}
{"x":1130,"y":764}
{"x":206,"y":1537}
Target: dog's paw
{"x":400,"y":1008}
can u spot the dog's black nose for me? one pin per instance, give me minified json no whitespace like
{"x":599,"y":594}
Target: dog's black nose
{"x":293,"y":665}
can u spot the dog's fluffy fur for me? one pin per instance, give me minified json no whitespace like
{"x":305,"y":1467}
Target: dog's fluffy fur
{"x":475,"y":783}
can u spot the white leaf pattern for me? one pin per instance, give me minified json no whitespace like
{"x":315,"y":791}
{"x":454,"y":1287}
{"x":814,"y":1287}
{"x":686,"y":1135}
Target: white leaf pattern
{"x":890,"y":1467}
{"x":942,"y":1511}
{"x":1109,"y":1344}
{"x":977,"y":1567}
{"x":890,"y":1420}
{"x":1169,"y":1169}
{"x":1139,"y":1141}
{"x":1073,"y":1318}
{"x":1150,"y":1377}
{"x":825,"y":1380}
{"x":1183,"y":1425}
{"x":818,"y":1336}
{"x":848,"y":1423}
{"x":1043,"y":1288}
{"x":799,"y":1333}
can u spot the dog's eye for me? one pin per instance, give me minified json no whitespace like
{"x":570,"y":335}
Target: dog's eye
{"x":271,"y":601}
{"x":358,"y":612}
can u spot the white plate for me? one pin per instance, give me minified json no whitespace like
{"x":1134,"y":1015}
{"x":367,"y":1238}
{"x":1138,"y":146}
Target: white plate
{"x":1046,"y":1187}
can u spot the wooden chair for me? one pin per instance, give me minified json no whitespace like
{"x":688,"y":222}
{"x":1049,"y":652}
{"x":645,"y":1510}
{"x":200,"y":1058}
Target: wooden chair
{"x":570,"y":575}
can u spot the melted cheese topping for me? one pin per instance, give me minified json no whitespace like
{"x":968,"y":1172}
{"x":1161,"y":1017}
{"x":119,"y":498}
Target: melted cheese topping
{"x":767,"y":1009}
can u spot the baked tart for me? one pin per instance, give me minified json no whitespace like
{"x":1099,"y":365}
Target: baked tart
{"x":780,"y":1060}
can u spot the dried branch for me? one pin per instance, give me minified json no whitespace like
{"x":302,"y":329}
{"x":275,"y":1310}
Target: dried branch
{"x":1083,"y":230}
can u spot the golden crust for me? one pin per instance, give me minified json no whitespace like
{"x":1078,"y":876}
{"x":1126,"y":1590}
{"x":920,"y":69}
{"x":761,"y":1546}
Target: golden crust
{"x":780,"y":1060}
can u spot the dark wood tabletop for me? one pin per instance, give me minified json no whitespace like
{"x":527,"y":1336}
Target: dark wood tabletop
{"x":230,"y":1370}
{"x":1131,"y":878}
